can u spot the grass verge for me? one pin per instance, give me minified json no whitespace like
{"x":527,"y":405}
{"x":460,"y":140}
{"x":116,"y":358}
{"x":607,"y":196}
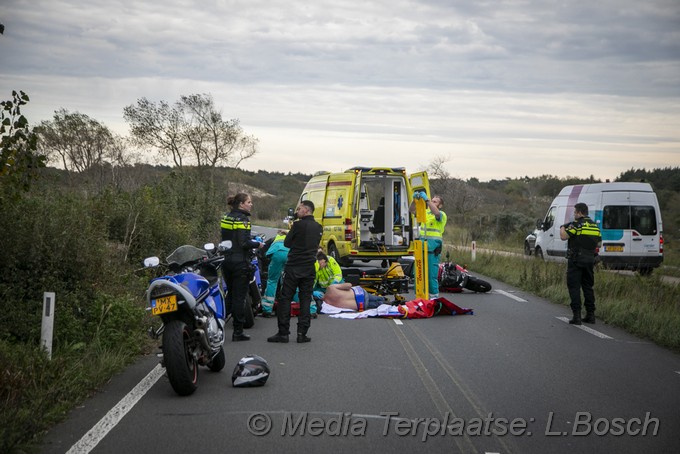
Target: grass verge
{"x":37,"y":392}
{"x":644,"y":306}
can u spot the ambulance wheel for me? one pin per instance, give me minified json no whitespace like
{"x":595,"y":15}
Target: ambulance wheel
{"x":333,"y":252}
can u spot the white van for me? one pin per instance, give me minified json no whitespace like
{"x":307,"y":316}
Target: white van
{"x":628,"y":216}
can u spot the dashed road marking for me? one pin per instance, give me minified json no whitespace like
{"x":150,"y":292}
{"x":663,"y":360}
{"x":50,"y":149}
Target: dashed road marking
{"x":586,"y":329}
{"x":397,"y":321}
{"x":510,"y":295}
{"x":113,"y":417}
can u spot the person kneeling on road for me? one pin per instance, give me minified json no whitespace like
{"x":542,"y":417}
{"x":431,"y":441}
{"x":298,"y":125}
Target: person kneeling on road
{"x":344,"y":296}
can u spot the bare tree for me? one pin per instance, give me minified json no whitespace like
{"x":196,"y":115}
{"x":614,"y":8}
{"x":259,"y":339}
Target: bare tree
{"x":78,"y":141}
{"x":158,"y":126}
{"x":192,"y":127}
{"x":459,"y":196}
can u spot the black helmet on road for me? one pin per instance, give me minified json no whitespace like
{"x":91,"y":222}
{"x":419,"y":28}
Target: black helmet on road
{"x":251,"y":370}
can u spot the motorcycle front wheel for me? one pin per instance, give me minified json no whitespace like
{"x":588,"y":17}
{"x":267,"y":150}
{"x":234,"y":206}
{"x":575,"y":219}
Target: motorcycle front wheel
{"x":477,"y":285}
{"x":249,"y":314}
{"x":217,"y":363}
{"x":180,"y":364}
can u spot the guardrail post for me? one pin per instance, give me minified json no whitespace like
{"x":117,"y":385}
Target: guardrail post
{"x":474,"y":251}
{"x":46,"y":328}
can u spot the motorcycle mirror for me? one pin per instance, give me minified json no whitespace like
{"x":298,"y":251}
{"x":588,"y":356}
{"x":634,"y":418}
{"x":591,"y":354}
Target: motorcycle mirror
{"x":225,"y":245}
{"x":151,"y":262}
{"x":209,"y":246}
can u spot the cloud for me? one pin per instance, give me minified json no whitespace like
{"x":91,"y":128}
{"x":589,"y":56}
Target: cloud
{"x":336,"y":82}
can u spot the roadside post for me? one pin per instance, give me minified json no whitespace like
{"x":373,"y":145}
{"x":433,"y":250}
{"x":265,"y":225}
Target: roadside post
{"x":474,"y":251}
{"x":46,"y":328}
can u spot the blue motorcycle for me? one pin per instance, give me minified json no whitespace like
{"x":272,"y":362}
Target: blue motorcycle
{"x":255,"y":290}
{"x":190,"y":302}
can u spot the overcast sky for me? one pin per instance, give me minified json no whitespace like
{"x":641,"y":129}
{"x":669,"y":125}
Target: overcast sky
{"x":498,"y":88}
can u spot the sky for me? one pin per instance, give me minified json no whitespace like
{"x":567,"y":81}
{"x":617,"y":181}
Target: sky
{"x":495,"y":89}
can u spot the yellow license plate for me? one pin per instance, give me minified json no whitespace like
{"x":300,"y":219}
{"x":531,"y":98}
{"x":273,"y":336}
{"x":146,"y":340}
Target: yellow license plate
{"x":613,"y":248}
{"x":164,"y":305}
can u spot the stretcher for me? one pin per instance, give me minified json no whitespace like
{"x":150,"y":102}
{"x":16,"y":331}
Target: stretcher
{"x":380,"y":281}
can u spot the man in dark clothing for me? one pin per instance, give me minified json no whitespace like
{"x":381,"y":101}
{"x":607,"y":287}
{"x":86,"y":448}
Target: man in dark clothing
{"x":584,"y":238}
{"x":299,"y":273}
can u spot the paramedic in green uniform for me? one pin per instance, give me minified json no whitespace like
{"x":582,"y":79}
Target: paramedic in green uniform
{"x":278,"y":255}
{"x":435,"y":223}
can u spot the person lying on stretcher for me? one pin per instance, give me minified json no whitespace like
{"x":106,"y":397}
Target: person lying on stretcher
{"x":344,"y":296}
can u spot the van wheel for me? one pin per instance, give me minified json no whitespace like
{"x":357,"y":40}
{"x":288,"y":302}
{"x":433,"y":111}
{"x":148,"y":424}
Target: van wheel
{"x":527,"y":249}
{"x":645,"y":271}
{"x":539,"y":253}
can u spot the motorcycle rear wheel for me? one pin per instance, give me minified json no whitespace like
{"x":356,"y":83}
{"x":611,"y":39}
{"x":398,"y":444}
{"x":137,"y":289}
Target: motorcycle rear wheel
{"x":181,"y":366}
{"x":477,"y":285}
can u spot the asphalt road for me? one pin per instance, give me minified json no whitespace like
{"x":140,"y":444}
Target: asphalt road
{"x":512,"y":378}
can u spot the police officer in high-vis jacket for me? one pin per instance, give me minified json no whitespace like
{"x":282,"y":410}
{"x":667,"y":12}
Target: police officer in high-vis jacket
{"x":237,"y":267}
{"x":583,"y":236}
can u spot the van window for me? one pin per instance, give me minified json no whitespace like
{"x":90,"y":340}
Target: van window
{"x":549,"y":218}
{"x":626,"y":217}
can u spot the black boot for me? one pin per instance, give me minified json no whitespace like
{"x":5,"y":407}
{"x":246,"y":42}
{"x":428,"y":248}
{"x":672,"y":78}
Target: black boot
{"x":589,"y":318}
{"x":577,"y":318}
{"x":278,"y":338}
{"x":239,"y":336}
{"x":302,"y":338}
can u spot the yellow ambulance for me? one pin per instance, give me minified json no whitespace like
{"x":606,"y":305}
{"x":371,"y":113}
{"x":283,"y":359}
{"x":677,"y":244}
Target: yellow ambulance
{"x":365,"y":213}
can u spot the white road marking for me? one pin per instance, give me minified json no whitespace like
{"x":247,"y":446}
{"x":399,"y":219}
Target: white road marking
{"x":586,"y":329}
{"x":397,"y":321}
{"x":510,"y":295}
{"x":113,"y":417}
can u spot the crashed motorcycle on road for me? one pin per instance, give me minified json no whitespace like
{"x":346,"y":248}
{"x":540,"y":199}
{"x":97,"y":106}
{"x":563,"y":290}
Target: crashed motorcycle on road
{"x":454,"y":278}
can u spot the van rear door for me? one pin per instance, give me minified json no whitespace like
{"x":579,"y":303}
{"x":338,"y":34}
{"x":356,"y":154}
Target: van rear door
{"x":630,"y":228}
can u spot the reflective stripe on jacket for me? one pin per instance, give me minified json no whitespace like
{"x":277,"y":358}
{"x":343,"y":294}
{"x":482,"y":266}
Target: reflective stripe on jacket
{"x":330,"y":274}
{"x":236,"y":228}
{"x":584,"y":237}
{"x":435,"y":228}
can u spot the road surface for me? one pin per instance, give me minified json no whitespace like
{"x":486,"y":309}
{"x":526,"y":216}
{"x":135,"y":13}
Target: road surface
{"x":514,"y":377}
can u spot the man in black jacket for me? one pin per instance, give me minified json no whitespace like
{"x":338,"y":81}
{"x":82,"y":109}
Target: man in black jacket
{"x":299,"y":273}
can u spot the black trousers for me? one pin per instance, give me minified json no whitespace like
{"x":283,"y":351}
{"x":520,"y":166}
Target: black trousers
{"x":237,"y":278}
{"x":301,"y":279}
{"x":580,"y":276}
